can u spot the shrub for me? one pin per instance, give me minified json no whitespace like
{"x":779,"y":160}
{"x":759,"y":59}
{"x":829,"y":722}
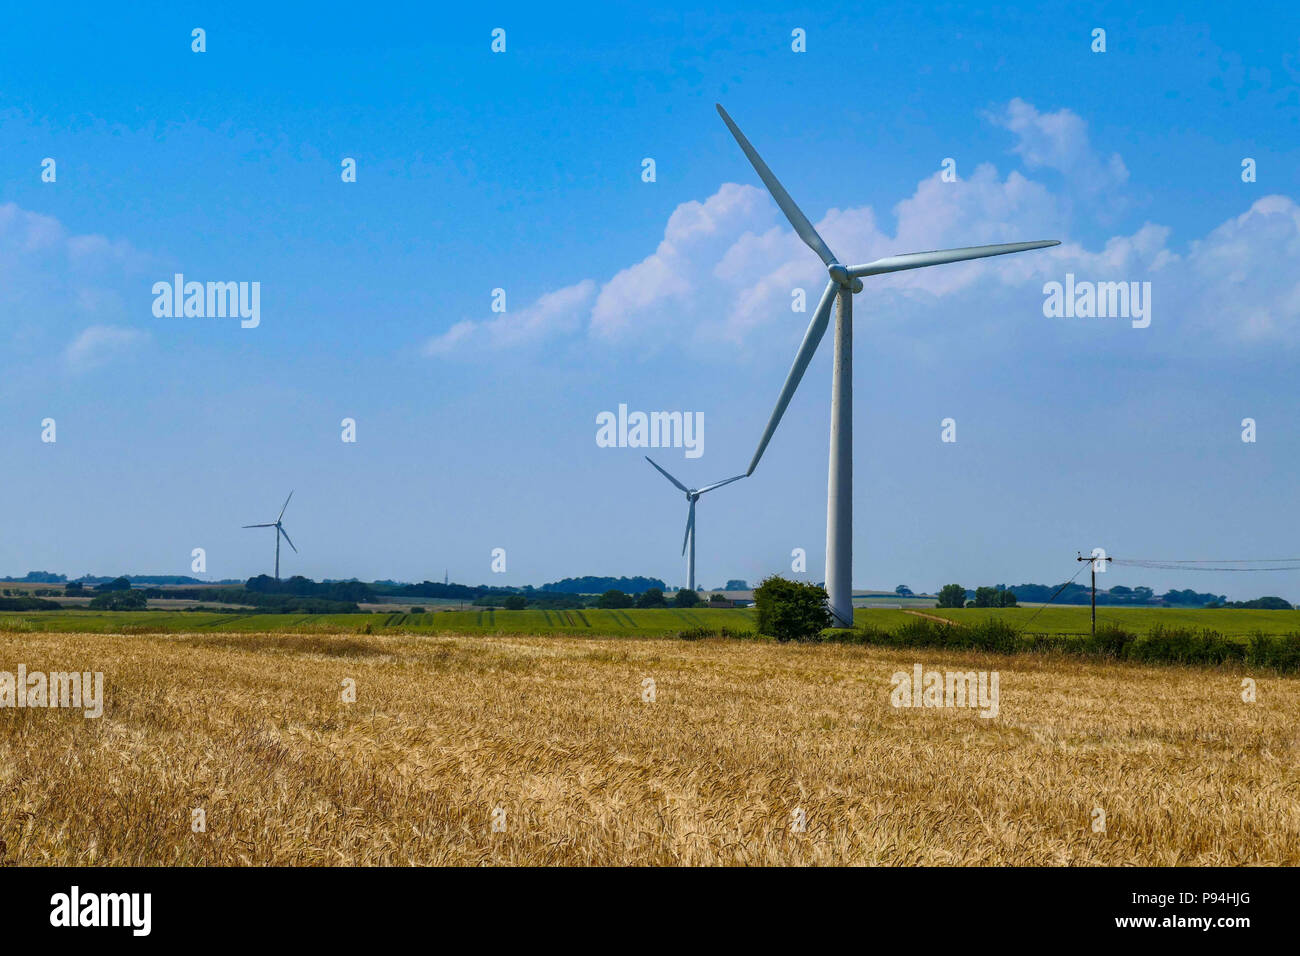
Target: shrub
{"x":515,"y":602}
{"x":791,"y":610}
{"x":700,"y":633}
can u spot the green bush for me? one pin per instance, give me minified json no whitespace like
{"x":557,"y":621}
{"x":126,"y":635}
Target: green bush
{"x":790,"y":610}
{"x":515,"y":602}
{"x":700,"y":633}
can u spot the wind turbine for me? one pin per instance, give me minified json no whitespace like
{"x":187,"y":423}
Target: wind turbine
{"x":279,"y":530}
{"x":844,"y":282}
{"x":692,"y":495}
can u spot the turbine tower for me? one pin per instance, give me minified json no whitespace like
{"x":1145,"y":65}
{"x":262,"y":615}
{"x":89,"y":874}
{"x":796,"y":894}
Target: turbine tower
{"x":692,"y":495}
{"x":844,"y":282}
{"x":279,"y":530}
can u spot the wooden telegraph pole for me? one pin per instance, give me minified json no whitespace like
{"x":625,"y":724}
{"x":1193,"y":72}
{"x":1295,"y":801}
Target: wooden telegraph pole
{"x":1094,"y":587}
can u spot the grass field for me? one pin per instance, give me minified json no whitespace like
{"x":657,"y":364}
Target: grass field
{"x":1076,"y":620}
{"x":629,"y":623}
{"x":661,"y":622}
{"x":554,"y":731}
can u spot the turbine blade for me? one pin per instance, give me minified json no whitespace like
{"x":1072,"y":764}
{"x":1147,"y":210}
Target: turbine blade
{"x":286,"y":538}
{"x":286,"y":504}
{"x":811,"y":339}
{"x":792,"y":212}
{"x":917,"y":260}
{"x":668,"y":476}
{"x":269,"y":524}
{"x":690,"y":526}
{"x":719,"y":484}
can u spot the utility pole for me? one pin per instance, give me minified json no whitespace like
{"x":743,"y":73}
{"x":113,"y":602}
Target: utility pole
{"x":1094,"y":561}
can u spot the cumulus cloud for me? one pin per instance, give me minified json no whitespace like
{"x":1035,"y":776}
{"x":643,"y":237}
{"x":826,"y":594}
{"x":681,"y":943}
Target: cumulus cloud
{"x":698,"y":234}
{"x":99,"y":344}
{"x":1059,"y":141}
{"x":727,"y":267}
{"x":559,"y":312}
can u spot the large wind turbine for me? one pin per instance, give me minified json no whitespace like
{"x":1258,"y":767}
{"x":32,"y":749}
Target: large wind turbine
{"x":844,"y":282}
{"x":279,"y":530}
{"x":692,"y":495}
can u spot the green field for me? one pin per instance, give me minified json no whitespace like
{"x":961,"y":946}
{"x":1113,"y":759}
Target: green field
{"x":1076,"y":620}
{"x":629,"y":623}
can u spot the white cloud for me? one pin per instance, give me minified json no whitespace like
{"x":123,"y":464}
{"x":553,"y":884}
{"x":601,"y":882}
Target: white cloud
{"x":558,"y":312}
{"x":54,"y":283}
{"x":100,"y":344}
{"x":1059,"y":141}
{"x":697,"y":235}
{"x":726,"y":266}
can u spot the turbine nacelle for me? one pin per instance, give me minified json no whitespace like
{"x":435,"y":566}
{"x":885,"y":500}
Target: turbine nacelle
{"x":841,"y":276}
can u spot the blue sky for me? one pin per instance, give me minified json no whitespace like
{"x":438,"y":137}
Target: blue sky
{"x":522,"y":170}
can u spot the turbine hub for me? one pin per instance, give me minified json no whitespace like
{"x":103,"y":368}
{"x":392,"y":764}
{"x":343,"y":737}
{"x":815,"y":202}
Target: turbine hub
{"x":839,"y":273}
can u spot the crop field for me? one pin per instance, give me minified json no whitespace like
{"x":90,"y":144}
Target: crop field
{"x":629,"y":623}
{"x":658,"y":622}
{"x":553,"y":737}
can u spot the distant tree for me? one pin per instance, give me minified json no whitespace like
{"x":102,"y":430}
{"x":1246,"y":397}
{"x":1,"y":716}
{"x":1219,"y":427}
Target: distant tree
{"x":1263,"y":603}
{"x":1007,"y":599}
{"x":73,"y":589}
{"x":615,"y":598}
{"x":791,"y":610}
{"x":417,"y":610}
{"x":970,"y":604}
{"x":117,"y":584}
{"x":686,"y":598}
{"x":595,"y":585}
{"x":717,"y":597}
{"x":651,"y":597}
{"x":128,"y":600}
{"x":903,"y":591}
{"x":952,"y":595}
{"x":515,"y":602}
{"x":986,"y":597}
{"x":737,"y":584}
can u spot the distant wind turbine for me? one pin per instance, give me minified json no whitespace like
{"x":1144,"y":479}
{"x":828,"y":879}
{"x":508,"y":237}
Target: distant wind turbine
{"x":692,"y":495}
{"x":844,"y":282}
{"x":279,"y":530}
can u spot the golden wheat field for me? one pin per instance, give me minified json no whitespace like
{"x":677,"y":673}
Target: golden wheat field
{"x":554,"y":731}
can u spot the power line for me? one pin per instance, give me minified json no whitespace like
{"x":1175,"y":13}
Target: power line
{"x":1213,"y":560}
{"x":1198,"y":566}
{"x":1052,"y":598}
